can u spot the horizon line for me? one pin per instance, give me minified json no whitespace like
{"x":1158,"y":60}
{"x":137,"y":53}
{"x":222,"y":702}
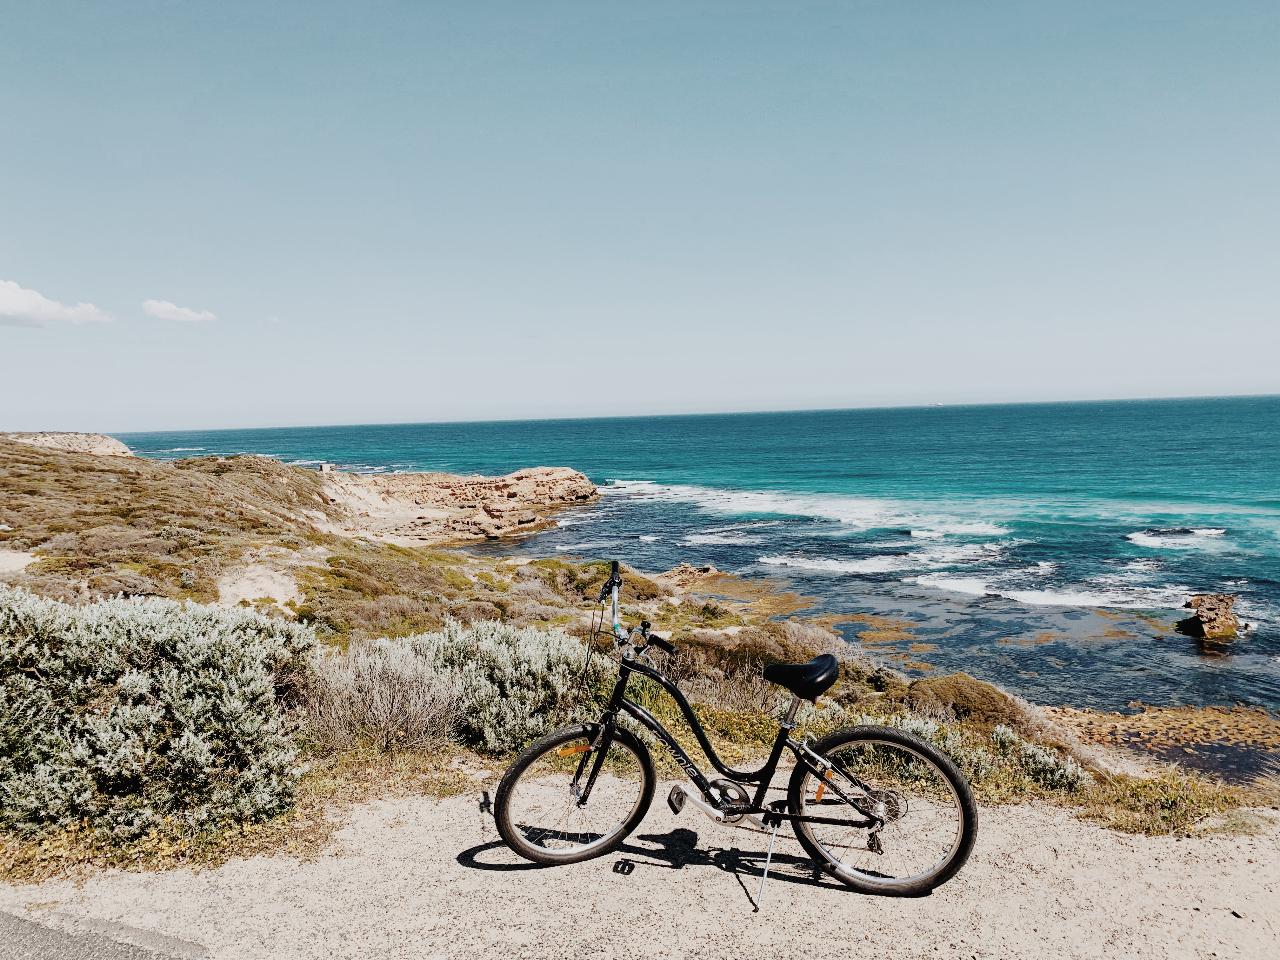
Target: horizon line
{"x":673,"y":416}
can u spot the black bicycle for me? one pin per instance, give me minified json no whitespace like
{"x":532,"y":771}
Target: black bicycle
{"x":877,"y":808}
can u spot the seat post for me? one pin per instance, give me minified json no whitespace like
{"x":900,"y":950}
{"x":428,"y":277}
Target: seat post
{"x":789,"y":720}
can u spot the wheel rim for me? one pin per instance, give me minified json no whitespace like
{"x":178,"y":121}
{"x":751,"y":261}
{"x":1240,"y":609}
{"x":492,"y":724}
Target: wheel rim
{"x":544,"y":809}
{"x":923,"y":817}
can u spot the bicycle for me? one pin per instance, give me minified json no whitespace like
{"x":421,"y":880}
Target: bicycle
{"x":857,"y":800}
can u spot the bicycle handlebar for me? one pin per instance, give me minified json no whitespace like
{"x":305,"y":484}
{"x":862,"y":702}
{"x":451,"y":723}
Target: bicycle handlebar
{"x":612,"y":587}
{"x":664,"y":645}
{"x":615,"y":580}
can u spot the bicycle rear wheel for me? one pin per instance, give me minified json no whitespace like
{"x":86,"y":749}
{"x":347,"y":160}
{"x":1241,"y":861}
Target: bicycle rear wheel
{"x":924,"y":814}
{"x":539,"y":808}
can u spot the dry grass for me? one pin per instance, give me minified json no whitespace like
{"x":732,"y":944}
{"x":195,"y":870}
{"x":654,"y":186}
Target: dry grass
{"x":106,"y":525}
{"x":380,"y":694}
{"x":1173,"y":802}
{"x":967,"y":699}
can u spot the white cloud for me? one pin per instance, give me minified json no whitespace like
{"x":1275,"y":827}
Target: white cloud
{"x":164,"y":310}
{"x":20,"y":307}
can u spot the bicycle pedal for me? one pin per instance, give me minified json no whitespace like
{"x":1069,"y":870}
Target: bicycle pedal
{"x":624,"y":867}
{"x":675,"y":799}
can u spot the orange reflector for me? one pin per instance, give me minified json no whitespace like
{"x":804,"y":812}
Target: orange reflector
{"x":570,"y":751}
{"x":822,"y":788}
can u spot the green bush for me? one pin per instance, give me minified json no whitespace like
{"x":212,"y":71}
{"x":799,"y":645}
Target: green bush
{"x":133,"y":715}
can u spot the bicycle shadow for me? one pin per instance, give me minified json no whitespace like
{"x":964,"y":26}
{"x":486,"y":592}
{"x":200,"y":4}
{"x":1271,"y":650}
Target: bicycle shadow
{"x":678,"y":849}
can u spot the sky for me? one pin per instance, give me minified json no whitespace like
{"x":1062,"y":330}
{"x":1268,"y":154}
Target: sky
{"x":244,"y":214}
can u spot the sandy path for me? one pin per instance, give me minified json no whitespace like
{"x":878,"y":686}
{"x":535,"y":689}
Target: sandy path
{"x":416,"y":878}
{"x":11,"y":561}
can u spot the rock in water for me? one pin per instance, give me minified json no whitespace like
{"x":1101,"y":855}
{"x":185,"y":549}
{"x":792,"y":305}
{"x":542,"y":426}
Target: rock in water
{"x":686,"y":574}
{"x":1213,"y":618}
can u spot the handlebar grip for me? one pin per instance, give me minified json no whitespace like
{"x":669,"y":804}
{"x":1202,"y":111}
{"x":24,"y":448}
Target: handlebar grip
{"x":615,"y":580}
{"x":666,"y":645}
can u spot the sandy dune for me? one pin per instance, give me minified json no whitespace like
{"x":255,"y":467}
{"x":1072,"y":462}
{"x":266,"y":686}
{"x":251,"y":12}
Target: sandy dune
{"x":95,"y":443}
{"x":416,"y":878}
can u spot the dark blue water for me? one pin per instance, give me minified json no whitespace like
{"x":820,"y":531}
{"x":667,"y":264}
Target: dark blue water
{"x":1047,"y":547}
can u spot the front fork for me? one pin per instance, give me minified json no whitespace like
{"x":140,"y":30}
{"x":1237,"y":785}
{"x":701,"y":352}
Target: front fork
{"x":600,"y":744}
{"x":594,"y":757}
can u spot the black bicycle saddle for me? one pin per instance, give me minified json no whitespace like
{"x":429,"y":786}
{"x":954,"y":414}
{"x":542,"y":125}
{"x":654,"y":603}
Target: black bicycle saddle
{"x":806,"y":680}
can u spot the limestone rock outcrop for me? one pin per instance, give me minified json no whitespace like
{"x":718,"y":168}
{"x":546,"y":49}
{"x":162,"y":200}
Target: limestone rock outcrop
{"x":686,"y":575}
{"x":1214,"y":618}
{"x":418,"y":507}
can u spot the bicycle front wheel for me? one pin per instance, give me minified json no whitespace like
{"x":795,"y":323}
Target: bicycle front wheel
{"x":906,"y":817}
{"x":544,"y":812}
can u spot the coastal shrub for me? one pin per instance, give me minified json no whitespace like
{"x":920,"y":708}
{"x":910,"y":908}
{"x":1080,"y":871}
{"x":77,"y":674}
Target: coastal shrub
{"x":515,"y":683}
{"x":136,"y":715}
{"x":493,"y":686}
{"x":965,"y":698}
{"x":1042,"y":765}
{"x":1001,"y":765}
{"x":382,"y":693}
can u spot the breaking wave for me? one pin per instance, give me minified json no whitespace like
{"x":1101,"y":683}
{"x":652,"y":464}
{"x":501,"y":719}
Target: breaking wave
{"x":1178,"y":538}
{"x":858,"y":513}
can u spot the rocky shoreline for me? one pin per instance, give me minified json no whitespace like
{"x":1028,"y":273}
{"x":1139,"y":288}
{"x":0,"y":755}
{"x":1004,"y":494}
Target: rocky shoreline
{"x":428,"y":508}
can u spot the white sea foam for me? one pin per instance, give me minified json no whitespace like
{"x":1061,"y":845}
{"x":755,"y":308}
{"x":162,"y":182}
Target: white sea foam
{"x":1093,"y":594}
{"x":859,"y":513}
{"x":1142,"y":566}
{"x":745,"y":525}
{"x":830,"y":565}
{"x":572,"y":521}
{"x":853,"y":511}
{"x":1179,"y":538}
{"x":179,"y":449}
{"x":726,"y":539}
{"x":649,"y":538}
{"x":976,"y":528}
{"x":970,"y":585}
{"x":586,"y":545}
{"x":935,"y":556}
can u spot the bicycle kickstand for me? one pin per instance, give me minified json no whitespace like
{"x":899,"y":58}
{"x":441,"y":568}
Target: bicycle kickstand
{"x":775,"y":822}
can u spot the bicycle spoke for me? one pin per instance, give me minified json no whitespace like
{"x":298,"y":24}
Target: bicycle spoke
{"x":545,"y":807}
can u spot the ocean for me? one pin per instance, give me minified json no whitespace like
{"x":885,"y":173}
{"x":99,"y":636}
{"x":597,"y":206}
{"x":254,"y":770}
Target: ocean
{"x":1046,"y":547}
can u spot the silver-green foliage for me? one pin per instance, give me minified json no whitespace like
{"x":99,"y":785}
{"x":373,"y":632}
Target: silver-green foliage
{"x":127,"y":714}
{"x":514,"y":683}
{"x":1042,"y":765}
{"x":490,"y":685}
{"x":1000,"y":755}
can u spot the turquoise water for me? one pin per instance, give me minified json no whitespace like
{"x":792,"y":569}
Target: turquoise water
{"x":1047,"y":547}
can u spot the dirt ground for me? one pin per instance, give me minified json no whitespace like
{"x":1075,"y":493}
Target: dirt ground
{"x":414,"y":877}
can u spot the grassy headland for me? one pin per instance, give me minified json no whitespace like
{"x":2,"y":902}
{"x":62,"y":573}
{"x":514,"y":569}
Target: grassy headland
{"x":390,"y":616}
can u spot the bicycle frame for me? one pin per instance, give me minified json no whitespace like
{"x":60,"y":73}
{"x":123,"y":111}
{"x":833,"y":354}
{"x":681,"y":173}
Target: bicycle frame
{"x":762,"y":777}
